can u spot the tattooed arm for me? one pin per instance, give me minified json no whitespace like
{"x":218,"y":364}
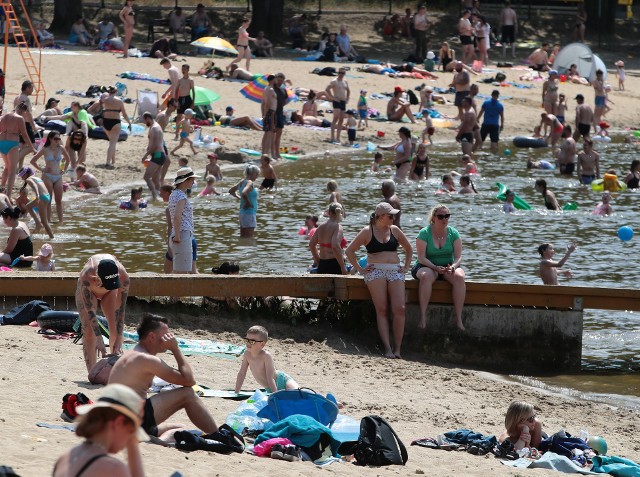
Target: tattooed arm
{"x":87,"y":305}
{"x":120,"y":311}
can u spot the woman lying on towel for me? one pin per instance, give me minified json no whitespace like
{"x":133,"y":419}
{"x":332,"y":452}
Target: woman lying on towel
{"x":523,"y":429}
{"x":405,"y":70}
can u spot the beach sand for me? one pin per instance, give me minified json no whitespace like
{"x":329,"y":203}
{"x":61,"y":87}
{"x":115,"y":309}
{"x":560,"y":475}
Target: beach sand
{"x":419,"y":399}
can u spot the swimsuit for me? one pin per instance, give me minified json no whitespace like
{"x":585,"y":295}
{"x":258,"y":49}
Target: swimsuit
{"x":85,"y":466}
{"x":459,"y":96}
{"x":468,"y":137}
{"x":387,"y":271}
{"x":158,"y":158}
{"x":419,"y":168}
{"x":23,"y":247}
{"x":558,"y":128}
{"x":268,"y":183}
{"x":445,"y":61}
{"x":340,"y":105}
{"x":329,"y":266}
{"x":184,"y":103}
{"x":282,"y":379}
{"x":351,"y":134}
{"x":466,"y":40}
{"x":184,"y":135}
{"x":547,"y":204}
{"x":7,"y":145}
{"x":109,"y":123}
{"x":600,"y":101}
{"x":45,"y":197}
{"x":49,"y":157}
{"x":567,"y":168}
{"x":149,"y":419}
{"x":375,"y":246}
{"x":587,"y":179}
{"x":399,"y":164}
{"x":268,"y":122}
{"x":584,"y":129}
{"x":634,"y":182}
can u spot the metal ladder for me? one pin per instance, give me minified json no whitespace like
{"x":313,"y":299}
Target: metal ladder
{"x":12,"y":26}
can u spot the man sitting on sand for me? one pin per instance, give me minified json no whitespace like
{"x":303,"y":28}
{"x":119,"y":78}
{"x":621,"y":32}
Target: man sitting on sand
{"x":138,"y":367}
{"x":539,"y":59}
{"x":103,"y":279}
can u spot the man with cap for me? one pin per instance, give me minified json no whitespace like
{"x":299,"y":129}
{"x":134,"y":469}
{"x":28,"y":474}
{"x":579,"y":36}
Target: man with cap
{"x":493,"y":111}
{"x":103,"y":279}
{"x":138,"y":367}
{"x":156,"y":167}
{"x":338,"y":92}
{"x":584,"y":119}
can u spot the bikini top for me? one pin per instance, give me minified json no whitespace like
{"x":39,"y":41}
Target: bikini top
{"x":375,"y":246}
{"x":49,"y":156}
{"x":400,"y":148}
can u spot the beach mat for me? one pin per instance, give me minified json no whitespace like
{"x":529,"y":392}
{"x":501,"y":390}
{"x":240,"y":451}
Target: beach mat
{"x":188,"y":347}
{"x":204,"y":391}
{"x":60,"y":427}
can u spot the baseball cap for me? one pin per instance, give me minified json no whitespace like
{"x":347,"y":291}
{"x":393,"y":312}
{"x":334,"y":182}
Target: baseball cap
{"x":398,"y":89}
{"x":553,"y":72}
{"x":384,"y":208}
{"x":189,"y":112}
{"x":579,"y":97}
{"x":109,"y":274}
{"x":123,"y":399}
{"x":212,"y":155}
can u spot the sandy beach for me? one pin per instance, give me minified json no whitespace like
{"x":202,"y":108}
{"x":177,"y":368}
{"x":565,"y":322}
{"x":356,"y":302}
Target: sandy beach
{"x":418,"y":398}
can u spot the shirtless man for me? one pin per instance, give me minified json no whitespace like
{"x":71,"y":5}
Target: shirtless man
{"x":462,"y":83}
{"x":228,"y":119}
{"x":138,"y":367}
{"x":103,"y":279}
{"x":235,"y":72}
{"x":600,"y":99}
{"x":86,"y":182}
{"x":539,"y":59}
{"x":566,"y":156}
{"x":174,"y":77}
{"x":338,"y":92}
{"x":163,"y":117}
{"x":584,"y":119}
{"x":548,"y":267}
{"x":388,"y":191}
{"x":465,"y":30}
{"x":508,"y":24}
{"x":269,"y":105}
{"x":27,"y":114}
{"x":185,"y":91}
{"x":469,"y":122}
{"x":159,"y":163}
{"x":588,"y":163}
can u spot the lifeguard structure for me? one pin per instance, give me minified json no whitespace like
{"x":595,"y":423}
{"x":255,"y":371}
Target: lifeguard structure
{"x":13,"y":30}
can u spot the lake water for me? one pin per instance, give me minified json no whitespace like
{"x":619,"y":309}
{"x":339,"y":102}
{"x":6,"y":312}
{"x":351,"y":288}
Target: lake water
{"x":498,"y":247}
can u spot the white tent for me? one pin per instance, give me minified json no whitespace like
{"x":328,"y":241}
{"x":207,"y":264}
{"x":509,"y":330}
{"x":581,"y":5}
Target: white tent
{"x":582,"y":56}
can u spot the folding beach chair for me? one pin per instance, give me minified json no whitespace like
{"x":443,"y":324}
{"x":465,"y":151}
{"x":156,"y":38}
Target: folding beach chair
{"x":147,"y":102}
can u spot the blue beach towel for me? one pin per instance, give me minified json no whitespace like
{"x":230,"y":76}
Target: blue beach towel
{"x":303,"y":431}
{"x":616,"y":466}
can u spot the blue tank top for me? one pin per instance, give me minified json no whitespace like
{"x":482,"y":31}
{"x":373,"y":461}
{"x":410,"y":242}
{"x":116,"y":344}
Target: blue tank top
{"x":252,"y":196}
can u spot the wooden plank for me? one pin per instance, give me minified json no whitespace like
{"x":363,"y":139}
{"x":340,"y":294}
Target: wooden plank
{"x":62,"y":284}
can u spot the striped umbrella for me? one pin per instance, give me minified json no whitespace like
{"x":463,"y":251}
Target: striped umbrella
{"x":255,"y":89}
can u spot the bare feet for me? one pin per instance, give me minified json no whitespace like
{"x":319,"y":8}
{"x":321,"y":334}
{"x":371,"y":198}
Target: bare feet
{"x":397,"y":355}
{"x":422,"y":324}
{"x":389,"y":354}
{"x":459,"y":325}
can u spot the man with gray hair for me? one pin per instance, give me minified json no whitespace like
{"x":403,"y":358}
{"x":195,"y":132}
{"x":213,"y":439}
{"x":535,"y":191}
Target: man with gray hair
{"x":388,"y":190}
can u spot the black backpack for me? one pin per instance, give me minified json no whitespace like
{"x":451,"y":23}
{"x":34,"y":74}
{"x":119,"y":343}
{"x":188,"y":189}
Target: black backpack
{"x":378,"y":444}
{"x":224,"y":441}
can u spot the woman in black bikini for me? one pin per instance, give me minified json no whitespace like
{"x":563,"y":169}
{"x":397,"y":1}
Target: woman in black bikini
{"x":109,"y":425}
{"x":632,"y":179}
{"x":447,"y":57}
{"x":243,"y":44}
{"x":113,"y":107}
{"x":327,"y":243}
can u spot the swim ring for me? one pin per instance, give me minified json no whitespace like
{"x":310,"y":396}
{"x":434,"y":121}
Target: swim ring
{"x":61,"y":321}
{"x":533,"y":142}
{"x":600,"y":138}
{"x":609,"y":182}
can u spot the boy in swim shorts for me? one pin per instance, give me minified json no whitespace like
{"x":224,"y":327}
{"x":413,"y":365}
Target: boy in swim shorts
{"x":185,"y":129}
{"x":260,"y":362}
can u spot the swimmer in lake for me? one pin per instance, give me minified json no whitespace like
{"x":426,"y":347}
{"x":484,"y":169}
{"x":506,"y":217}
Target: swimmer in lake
{"x":549,"y":268}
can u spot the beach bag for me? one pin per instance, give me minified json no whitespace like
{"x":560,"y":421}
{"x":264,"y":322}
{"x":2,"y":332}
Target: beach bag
{"x":327,"y":71}
{"x":562,"y":444}
{"x":413,"y":99}
{"x":69,"y":404}
{"x":101,"y":371}
{"x":378,"y":444}
{"x":25,"y":314}
{"x":303,"y":401}
{"x":224,"y":441}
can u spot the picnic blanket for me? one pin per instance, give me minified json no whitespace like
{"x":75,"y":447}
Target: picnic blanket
{"x":196,"y":347}
{"x":549,"y":460}
{"x":132,"y":75}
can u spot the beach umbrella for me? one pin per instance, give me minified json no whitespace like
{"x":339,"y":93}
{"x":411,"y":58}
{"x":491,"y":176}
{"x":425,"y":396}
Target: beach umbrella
{"x":205,"y":96}
{"x":215,"y":43}
{"x":255,"y":89}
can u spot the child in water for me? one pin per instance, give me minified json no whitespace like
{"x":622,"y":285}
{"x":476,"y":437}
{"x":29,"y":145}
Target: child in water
{"x":213,"y":169}
{"x":377,"y":162}
{"x":136,"y":202}
{"x":269,"y":174}
{"x":261,"y":364}
{"x":466,"y":185}
{"x":428,"y":131}
{"x":447,"y":184}
{"x":44,"y":260}
{"x":522,"y":426}
{"x":508,"y":206}
{"x":209,"y":189}
{"x":548,"y":267}
{"x":604,"y":207}
{"x":420,"y":164}
{"x":185,"y":128}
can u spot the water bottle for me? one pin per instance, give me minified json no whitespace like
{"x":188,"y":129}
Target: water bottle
{"x":524,"y":452}
{"x":584,"y":435}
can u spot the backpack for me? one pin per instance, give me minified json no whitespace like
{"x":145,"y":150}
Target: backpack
{"x":378,"y":444}
{"x":69,"y":404}
{"x":25,"y":314}
{"x":224,"y":441}
{"x":413,"y":99}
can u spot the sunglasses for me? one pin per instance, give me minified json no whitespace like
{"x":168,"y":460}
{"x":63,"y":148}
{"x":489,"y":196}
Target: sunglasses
{"x":531,"y":419}
{"x":443,"y":216}
{"x":249,"y":341}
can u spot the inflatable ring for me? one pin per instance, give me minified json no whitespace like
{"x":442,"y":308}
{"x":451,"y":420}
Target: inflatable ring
{"x":99,"y":133}
{"x":61,"y":321}
{"x":599,"y":138}
{"x":533,"y":142}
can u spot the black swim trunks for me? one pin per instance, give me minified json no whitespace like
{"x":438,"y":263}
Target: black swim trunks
{"x":340,"y":105}
{"x":460,"y":95}
{"x":268,"y":183}
{"x":280,"y":120}
{"x":584,"y":129}
{"x":109,"y":123}
{"x":184,"y":103}
{"x":149,"y":419}
{"x":32,"y":136}
{"x":567,"y":168}
{"x":466,"y":40}
{"x":351,"y":134}
{"x":269,"y":121}
{"x":466,"y":137}
{"x":329,"y":266}
{"x":508,"y":34}
{"x":540,"y":67}
{"x":158,"y":158}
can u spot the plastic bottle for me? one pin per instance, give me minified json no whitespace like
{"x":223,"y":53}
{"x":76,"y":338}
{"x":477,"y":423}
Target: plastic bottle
{"x":524,"y":452}
{"x":584,"y":435}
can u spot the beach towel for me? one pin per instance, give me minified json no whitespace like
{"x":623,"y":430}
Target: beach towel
{"x":307,"y":402}
{"x":549,"y":461}
{"x":196,"y":347}
{"x":132,"y":75}
{"x":616,"y":466}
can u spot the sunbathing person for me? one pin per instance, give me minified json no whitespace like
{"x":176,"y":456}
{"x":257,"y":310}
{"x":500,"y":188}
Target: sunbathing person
{"x":138,"y":367}
{"x":236,"y":72}
{"x":404,"y":70}
{"x":227,"y":119}
{"x":523,"y":429}
{"x":297,"y":118}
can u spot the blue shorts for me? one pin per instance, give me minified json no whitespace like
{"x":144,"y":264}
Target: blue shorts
{"x":601,"y":101}
{"x":560,"y":118}
{"x":282,"y":379}
{"x":362,"y":113}
{"x":194,"y":247}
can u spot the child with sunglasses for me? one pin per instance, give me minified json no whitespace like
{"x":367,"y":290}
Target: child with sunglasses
{"x":523,"y":429}
{"x":260,"y":362}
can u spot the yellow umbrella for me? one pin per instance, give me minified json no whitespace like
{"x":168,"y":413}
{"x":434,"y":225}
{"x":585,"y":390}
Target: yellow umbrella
{"x":215,"y":43}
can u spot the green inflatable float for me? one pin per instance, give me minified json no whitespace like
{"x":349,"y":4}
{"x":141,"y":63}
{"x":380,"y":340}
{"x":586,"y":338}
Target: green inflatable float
{"x":518,"y":203}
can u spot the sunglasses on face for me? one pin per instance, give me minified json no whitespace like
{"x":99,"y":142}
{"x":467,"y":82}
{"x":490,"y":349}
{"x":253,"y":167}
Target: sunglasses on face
{"x":443,"y":216}
{"x":249,"y":341}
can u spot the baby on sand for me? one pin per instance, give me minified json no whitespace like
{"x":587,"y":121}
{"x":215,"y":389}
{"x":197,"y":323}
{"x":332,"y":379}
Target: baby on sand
{"x":260,"y":362}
